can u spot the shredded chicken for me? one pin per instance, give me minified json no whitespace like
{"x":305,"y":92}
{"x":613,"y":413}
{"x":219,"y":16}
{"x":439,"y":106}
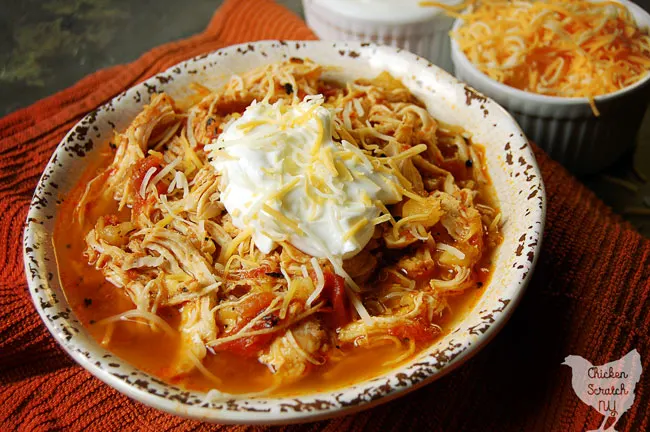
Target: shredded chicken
{"x":360,"y":331}
{"x":290,"y":355}
{"x":197,"y":326}
{"x":460,"y":220}
{"x":133,"y":144}
{"x":169,"y":243}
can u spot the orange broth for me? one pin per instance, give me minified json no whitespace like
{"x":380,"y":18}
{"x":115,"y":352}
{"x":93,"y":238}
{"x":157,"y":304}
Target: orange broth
{"x":92,"y":299}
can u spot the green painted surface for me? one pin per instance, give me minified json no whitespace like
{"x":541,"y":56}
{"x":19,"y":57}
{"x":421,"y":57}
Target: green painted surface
{"x":48,"y":45}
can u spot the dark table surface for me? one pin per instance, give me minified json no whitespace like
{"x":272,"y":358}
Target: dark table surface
{"x":47,"y":45}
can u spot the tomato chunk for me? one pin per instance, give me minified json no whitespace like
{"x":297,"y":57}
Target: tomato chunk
{"x":263,"y":271}
{"x":141,"y":167}
{"x":334,"y":294}
{"x":418,"y":330}
{"x":247,"y":346}
{"x":138,"y":172}
{"x":250,"y":308}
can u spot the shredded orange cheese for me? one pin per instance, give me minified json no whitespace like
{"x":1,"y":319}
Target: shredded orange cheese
{"x":568,"y":48}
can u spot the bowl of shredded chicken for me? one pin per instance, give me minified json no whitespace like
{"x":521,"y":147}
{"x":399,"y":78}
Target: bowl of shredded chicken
{"x":278,"y":225}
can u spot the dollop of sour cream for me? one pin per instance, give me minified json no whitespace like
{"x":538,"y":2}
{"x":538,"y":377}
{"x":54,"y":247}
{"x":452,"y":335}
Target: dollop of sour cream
{"x":284,"y":177}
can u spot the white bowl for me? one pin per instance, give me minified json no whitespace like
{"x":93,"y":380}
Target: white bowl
{"x":566,"y":128}
{"x":510,"y":161}
{"x":399,"y":23}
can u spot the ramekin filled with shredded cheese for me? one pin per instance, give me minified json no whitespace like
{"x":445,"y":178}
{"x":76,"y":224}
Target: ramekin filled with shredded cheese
{"x":575,"y":73}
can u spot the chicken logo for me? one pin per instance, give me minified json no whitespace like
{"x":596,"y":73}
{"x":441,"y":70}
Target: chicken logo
{"x":608,"y":388}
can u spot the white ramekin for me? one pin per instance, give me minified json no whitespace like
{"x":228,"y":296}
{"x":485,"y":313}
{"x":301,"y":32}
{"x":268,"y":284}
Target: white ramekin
{"x":398,"y":23}
{"x":566,"y":127}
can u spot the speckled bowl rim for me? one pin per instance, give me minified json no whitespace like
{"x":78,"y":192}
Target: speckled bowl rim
{"x":433,"y":363}
{"x":459,"y":56}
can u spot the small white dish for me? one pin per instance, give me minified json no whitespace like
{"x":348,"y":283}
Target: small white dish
{"x":399,"y":23}
{"x":510,"y":161}
{"x":566,"y":128}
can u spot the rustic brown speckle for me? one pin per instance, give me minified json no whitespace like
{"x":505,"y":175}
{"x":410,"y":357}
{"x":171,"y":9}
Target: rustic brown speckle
{"x":472,"y":95}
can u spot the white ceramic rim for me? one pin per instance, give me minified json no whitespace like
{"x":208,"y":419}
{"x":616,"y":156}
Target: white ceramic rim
{"x":404,"y":20}
{"x":458,"y":55}
{"x":367,"y":393}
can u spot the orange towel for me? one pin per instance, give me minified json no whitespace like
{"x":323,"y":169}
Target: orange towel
{"x":589,"y":295}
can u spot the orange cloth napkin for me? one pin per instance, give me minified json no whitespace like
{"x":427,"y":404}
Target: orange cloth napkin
{"x":589,"y":295}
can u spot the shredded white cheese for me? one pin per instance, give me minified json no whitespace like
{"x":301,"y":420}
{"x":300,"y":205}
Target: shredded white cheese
{"x":145,"y":181}
{"x":320,"y":281}
{"x":450,"y":249}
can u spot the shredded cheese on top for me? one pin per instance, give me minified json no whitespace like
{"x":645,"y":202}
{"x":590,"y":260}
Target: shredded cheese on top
{"x":567,"y":48}
{"x":287,"y":172}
